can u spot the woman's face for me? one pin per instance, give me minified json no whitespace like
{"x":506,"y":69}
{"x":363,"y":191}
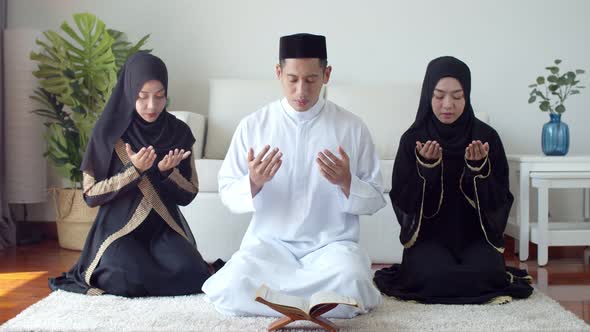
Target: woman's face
{"x":448,"y":100}
{"x":151,"y":100}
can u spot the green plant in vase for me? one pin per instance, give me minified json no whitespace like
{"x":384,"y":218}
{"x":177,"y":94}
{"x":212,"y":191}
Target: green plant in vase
{"x":77,"y":70}
{"x":551,"y":92}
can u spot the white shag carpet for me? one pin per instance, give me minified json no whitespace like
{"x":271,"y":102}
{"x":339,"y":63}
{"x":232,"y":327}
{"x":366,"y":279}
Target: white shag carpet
{"x":62,"y":311}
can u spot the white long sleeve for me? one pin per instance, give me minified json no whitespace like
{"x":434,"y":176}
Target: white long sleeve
{"x":233,"y":177}
{"x":366,"y":187}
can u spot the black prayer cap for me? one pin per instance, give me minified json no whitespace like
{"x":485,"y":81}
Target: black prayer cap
{"x":303,"y":45}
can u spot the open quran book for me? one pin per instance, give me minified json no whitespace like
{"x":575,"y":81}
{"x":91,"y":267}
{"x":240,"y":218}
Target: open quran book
{"x":298,"y":308}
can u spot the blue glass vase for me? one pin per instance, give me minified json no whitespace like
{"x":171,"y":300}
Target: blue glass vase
{"x":555,"y":137}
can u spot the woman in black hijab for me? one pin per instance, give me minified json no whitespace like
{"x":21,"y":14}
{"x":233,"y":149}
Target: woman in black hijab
{"x":451,"y":197}
{"x":138,"y":169}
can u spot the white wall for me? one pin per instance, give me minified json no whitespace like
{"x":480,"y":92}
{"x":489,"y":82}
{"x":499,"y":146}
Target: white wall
{"x":506,"y":44}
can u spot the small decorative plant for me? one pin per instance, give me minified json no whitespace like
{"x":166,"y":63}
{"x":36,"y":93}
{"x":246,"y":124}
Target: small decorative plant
{"x":77,"y":70}
{"x":553,"y":90}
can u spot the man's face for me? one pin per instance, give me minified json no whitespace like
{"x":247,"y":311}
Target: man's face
{"x":302,"y":81}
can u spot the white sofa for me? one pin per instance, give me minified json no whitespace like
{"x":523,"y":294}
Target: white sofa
{"x":387,"y":109}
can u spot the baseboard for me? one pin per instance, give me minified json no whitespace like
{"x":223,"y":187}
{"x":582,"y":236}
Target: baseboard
{"x":30,"y":232}
{"x":554,"y":252}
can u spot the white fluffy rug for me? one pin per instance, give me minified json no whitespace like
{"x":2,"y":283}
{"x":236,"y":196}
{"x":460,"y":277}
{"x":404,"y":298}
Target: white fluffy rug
{"x":62,"y":311}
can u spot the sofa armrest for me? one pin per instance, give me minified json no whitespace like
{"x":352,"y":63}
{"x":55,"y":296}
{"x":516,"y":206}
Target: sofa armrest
{"x":198,"y":124}
{"x":483,"y":116}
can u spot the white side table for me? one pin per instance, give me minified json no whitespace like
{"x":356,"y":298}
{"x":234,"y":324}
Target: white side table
{"x":546,"y":234}
{"x":523,"y":165}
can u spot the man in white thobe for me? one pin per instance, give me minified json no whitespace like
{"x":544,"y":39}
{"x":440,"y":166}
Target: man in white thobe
{"x":307,"y":169}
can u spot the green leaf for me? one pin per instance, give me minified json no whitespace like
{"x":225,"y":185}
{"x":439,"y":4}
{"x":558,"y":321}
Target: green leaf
{"x":47,"y":72}
{"x":533,"y":86}
{"x":44,"y":59}
{"x":553,"y":70}
{"x":544,"y":106}
{"x":570,"y":77}
{"x":557,"y":61}
{"x":46,"y":114}
{"x":560,"y":108}
{"x":41,"y":100}
{"x":70,"y":32}
{"x":574,"y":92}
{"x":77,"y":67}
{"x":540,"y":80}
{"x":553,"y":87}
{"x":580,"y":71}
{"x":139,"y":45}
{"x":552,"y":78}
{"x":532,"y":99}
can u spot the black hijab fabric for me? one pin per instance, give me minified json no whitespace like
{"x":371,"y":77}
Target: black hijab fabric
{"x":149,"y":258}
{"x":453,"y":137}
{"x":119,"y":118}
{"x":452,"y":217}
{"x":406,"y":193}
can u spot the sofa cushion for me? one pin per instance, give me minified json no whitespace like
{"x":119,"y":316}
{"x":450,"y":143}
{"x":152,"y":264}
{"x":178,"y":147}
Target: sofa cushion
{"x":218,"y":232}
{"x":207,"y":170}
{"x":229,"y":102}
{"x":483,"y":116}
{"x":387,"y":110}
{"x":196,"y":123}
{"x":386,"y":174}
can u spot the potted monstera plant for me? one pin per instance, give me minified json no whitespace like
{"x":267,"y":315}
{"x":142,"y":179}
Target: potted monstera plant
{"x":77,"y":70}
{"x":551,"y":93}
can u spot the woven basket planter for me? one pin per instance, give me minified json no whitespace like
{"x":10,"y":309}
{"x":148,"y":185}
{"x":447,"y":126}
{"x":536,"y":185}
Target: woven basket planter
{"x":74,"y":218}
